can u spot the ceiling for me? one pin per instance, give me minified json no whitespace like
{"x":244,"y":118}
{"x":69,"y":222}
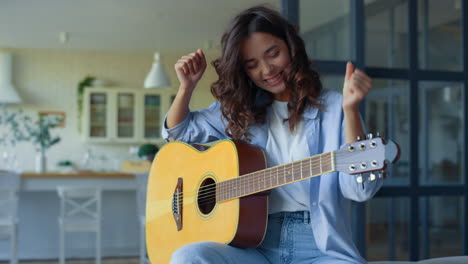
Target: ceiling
{"x":118,"y":25}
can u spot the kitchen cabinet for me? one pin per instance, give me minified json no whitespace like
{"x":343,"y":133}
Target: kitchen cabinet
{"x":119,"y":115}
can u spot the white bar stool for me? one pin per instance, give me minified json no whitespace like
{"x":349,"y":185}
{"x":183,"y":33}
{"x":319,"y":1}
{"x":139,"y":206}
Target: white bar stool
{"x":80,"y":211}
{"x":9,"y":186}
{"x":8,"y":220}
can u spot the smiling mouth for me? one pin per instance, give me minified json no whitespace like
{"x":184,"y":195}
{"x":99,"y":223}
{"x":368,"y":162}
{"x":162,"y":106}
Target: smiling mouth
{"x":275,"y":80}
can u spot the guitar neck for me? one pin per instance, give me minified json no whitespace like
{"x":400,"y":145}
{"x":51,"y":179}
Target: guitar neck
{"x":270,"y":178}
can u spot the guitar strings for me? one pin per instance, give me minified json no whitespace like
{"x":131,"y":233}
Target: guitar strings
{"x":312,"y":163}
{"x":207,"y":192}
{"x":267,"y":180}
{"x":309,"y":165}
{"x":207,"y":198}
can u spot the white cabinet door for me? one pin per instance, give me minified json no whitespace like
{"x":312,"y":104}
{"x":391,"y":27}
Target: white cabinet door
{"x":125,"y":116}
{"x":152,"y":116}
{"x":155,"y":106}
{"x":96,"y":116}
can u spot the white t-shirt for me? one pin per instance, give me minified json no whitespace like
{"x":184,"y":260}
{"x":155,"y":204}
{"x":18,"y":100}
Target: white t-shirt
{"x":285,"y":147}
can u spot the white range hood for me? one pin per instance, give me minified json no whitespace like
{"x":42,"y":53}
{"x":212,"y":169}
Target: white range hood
{"x":8,"y":94}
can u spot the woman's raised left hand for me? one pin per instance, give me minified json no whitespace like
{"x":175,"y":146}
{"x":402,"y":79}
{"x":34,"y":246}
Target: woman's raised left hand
{"x":356,"y":86}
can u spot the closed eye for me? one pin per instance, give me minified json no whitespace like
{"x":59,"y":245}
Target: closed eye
{"x":275,"y":54}
{"x":250,"y":66}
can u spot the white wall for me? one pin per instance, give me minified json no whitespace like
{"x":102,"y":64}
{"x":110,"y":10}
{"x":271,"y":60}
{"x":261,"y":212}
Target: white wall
{"x":47,"y":81}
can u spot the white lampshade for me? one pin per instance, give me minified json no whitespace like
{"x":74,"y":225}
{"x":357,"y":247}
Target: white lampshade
{"x":8,"y":94}
{"x":157,"y":77}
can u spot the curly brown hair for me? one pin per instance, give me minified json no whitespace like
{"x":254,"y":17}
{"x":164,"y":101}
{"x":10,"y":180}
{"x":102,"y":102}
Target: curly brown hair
{"x":242,"y":102}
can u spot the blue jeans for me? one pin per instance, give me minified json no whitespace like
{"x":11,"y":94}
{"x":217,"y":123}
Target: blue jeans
{"x":289,"y":239}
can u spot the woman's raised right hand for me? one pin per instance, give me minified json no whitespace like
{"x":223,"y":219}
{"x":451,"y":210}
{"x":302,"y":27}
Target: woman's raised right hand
{"x":190,"y":69}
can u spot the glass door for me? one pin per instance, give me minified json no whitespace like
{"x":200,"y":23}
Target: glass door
{"x":125,"y":115}
{"x":152,"y":116}
{"x":98,"y":113}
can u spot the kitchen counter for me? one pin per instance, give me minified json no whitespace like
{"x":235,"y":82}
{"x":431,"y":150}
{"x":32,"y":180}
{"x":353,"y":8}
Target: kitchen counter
{"x":38,"y":212}
{"x":50,"y":181}
{"x":84,"y":174}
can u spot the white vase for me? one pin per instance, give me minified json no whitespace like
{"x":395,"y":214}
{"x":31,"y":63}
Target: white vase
{"x":41,"y":162}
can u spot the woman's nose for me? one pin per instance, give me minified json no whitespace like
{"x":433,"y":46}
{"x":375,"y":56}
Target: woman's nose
{"x":267,"y":69}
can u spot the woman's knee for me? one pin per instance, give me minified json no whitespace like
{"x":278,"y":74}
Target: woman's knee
{"x":199,"y":253}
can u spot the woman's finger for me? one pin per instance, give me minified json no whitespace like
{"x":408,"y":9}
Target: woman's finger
{"x":363,"y":81}
{"x":358,"y":85}
{"x":361,"y":76}
{"x":202,"y":57}
{"x":179,"y":66}
{"x":188,"y":62}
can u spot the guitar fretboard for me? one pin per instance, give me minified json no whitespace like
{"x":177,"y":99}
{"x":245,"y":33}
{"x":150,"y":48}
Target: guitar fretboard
{"x":274,"y":177}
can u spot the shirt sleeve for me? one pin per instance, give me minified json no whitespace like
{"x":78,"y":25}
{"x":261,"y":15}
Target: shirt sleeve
{"x":201,"y":126}
{"x":350,"y":188}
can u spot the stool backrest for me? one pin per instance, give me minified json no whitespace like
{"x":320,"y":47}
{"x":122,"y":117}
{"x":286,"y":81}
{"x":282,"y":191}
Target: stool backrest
{"x":80,"y":202}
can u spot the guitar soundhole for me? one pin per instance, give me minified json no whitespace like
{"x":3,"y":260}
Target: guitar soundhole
{"x":207,"y":196}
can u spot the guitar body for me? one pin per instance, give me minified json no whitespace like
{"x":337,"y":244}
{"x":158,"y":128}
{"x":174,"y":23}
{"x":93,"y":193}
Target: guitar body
{"x":179,"y":211}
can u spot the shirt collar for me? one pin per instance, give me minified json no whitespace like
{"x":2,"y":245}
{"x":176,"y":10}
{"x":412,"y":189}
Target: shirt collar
{"x":311,"y":112}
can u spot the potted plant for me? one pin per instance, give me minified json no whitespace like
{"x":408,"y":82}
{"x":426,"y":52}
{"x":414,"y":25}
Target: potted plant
{"x":17,"y":126}
{"x":39,"y":133}
{"x":65,"y":166}
{"x":148,"y":151}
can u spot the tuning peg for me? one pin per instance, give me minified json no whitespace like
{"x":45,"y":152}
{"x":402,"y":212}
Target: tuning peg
{"x":377,"y":134}
{"x":370,"y":136}
{"x":360,"y":179}
{"x":358,"y":138}
{"x":372,"y":176}
{"x":382,"y":174}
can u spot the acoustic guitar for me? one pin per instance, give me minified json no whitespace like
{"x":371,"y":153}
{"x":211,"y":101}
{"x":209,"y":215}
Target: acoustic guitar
{"x":220,"y":192}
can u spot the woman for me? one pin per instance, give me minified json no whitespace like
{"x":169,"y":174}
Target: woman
{"x":267,"y":94}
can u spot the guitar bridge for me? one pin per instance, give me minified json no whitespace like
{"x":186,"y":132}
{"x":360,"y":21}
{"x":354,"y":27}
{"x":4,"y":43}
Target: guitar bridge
{"x":177,"y":204}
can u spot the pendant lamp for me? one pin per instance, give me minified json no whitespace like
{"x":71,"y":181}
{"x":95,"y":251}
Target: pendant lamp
{"x":157,"y":77}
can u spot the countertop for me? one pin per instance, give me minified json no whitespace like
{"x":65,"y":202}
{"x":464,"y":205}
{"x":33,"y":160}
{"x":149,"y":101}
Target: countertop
{"x":85,"y":174}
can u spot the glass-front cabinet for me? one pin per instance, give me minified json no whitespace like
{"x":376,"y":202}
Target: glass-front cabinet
{"x":124,"y":115}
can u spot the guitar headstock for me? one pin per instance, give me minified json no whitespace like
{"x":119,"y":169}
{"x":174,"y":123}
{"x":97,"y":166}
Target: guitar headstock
{"x":369,"y":155}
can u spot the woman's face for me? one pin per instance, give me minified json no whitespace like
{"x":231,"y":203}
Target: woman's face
{"x":265,"y":57}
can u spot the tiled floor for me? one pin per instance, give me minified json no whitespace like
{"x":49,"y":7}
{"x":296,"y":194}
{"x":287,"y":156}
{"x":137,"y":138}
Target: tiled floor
{"x":81,"y":261}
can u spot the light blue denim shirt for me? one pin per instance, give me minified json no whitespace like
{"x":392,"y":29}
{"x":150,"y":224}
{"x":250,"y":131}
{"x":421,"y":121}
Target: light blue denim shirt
{"x":330,"y":194}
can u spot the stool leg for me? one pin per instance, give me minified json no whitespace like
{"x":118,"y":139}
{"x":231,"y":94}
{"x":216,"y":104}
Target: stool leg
{"x":14,"y":259}
{"x":98,"y":247}
{"x":142,"y":243}
{"x":61,"y":245}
